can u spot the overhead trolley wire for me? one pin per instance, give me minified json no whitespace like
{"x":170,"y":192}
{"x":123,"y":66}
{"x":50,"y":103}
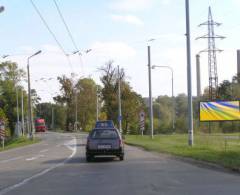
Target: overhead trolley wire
{"x":65,"y":24}
{"x":68,"y":30}
{"x":51,"y":32}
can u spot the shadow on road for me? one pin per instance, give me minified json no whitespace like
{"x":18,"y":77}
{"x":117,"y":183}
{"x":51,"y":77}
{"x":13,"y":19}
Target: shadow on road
{"x":80,"y":160}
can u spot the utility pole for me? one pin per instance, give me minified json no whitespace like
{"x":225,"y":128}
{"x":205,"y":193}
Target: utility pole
{"x":17,"y":111}
{"x":119,"y":103}
{"x":173,"y":105}
{"x":97,"y":106}
{"x":52,"y":117}
{"x":29,"y":103}
{"x":198,"y":76}
{"x":76,"y":112}
{"x":22,"y":106}
{"x":30,"y":116}
{"x":150,"y":90}
{"x":238,"y":65}
{"x":189,"y":76}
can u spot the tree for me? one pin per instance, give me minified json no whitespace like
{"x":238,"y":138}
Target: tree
{"x":109,"y":91}
{"x":11,"y":72}
{"x":236,"y":87}
{"x":132,"y":103}
{"x":225,"y":90}
{"x":87,"y":98}
{"x":67,"y":90}
{"x":181,"y":113}
{"x":82,"y":96}
{"x":10,"y":77}
{"x":162,"y":109}
{"x":44,"y":110}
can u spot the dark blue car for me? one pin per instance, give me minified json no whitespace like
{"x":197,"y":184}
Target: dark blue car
{"x":104,"y":140}
{"x":104,"y":124}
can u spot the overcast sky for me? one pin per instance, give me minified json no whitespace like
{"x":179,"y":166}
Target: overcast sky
{"x":118,"y":30}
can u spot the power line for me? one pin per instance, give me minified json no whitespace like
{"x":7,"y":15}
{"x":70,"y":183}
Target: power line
{"x":65,"y":24}
{"x":47,"y":26}
{"x":68,"y":30}
{"x":51,"y":32}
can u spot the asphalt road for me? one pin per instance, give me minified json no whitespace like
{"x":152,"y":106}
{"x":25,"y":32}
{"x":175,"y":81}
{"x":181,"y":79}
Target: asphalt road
{"x":57,"y":166}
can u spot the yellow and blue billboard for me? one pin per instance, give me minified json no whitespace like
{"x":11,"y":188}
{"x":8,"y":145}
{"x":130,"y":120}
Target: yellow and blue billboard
{"x":220,"y":111}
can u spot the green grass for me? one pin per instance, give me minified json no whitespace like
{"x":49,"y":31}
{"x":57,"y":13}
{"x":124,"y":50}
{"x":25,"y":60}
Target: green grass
{"x":211,"y":148}
{"x":18,"y":142}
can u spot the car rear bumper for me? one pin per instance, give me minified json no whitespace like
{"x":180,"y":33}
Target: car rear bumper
{"x":115,"y":152}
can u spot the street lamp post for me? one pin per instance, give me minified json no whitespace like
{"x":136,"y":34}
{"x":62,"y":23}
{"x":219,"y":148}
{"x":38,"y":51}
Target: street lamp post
{"x":76,"y":111}
{"x":150,"y":90}
{"x":52,"y":123}
{"x":173,"y":102}
{"x":97,"y":106}
{"x":119,"y":103}
{"x":30,"y":117}
{"x":17,"y":133}
{"x":22,"y":109}
{"x":77,"y":92}
{"x":189,"y":77}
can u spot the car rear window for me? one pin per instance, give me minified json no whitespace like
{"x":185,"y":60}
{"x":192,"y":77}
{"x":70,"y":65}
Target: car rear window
{"x":104,"y":124}
{"x":104,"y":134}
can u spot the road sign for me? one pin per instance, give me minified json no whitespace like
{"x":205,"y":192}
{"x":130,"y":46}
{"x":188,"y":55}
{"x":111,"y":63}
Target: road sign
{"x":119,"y":118}
{"x":2,"y":132}
{"x":142,"y":121}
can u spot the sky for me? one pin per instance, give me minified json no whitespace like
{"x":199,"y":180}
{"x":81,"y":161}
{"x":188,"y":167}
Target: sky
{"x":117,"y":30}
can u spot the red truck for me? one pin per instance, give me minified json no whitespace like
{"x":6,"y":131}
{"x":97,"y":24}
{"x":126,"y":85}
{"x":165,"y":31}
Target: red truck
{"x":40,"y":125}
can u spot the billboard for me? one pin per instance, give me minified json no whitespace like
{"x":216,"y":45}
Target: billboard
{"x":220,"y":111}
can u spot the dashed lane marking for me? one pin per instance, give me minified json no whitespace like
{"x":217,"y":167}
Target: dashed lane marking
{"x":72,"y":145}
{"x":11,"y":159}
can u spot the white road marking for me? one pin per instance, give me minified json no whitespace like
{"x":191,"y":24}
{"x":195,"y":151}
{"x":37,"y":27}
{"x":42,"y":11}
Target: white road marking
{"x":34,"y":158}
{"x":11,"y":159}
{"x":42,"y":151}
{"x":73,"y":148}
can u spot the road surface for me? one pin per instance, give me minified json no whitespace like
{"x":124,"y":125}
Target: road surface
{"x":57,"y":166}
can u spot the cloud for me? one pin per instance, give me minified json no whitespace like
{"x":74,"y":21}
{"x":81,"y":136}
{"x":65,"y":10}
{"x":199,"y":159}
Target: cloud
{"x":131,"y":19}
{"x":131,"y":5}
{"x":51,"y":48}
{"x":165,"y":2}
{"x":26,"y":49}
{"x":113,"y":50}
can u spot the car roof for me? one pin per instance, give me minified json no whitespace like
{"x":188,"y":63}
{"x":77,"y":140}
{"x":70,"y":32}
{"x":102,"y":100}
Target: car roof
{"x":104,"y":128}
{"x":104,"y":124}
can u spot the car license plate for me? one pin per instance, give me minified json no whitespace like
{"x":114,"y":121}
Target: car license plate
{"x":104,"y":146}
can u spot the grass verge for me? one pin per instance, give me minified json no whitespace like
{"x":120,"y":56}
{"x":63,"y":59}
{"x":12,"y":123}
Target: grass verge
{"x":18,"y":142}
{"x":219,"y":149}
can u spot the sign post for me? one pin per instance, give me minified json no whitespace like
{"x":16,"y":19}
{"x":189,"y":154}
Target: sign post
{"x":142,"y":121}
{"x":2,"y":132}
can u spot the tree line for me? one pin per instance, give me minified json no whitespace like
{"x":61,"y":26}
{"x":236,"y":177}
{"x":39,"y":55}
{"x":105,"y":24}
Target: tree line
{"x":77,"y":102}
